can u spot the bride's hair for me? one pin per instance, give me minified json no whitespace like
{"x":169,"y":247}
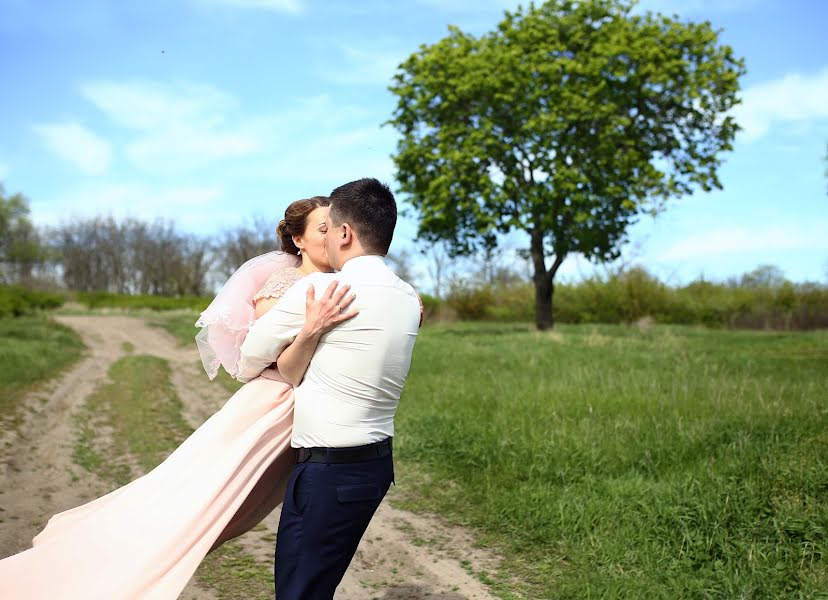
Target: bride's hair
{"x":296,"y":220}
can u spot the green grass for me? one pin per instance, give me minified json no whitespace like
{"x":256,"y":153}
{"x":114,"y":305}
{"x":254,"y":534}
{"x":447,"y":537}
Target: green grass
{"x":135,"y":420}
{"x":141,"y":301}
{"x":235,"y":575}
{"x":139,"y":410}
{"x":617,"y":462}
{"x":605,"y":462}
{"x":32,"y":350}
{"x":180,"y":325}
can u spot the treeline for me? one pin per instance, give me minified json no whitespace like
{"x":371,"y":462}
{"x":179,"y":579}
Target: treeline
{"x":126,"y":257}
{"x":131,"y":264}
{"x":761,"y":299}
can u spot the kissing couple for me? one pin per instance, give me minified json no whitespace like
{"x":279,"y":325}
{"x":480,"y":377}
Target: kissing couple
{"x":322,"y":335}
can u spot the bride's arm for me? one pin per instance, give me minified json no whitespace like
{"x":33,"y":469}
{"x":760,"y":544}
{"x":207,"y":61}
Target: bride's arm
{"x":320,"y":317}
{"x":279,"y":327}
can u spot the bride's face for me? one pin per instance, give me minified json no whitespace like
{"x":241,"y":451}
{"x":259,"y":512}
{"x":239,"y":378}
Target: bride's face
{"x":312,"y":240}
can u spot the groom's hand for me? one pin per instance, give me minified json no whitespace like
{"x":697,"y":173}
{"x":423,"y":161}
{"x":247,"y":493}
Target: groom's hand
{"x":329,"y":311}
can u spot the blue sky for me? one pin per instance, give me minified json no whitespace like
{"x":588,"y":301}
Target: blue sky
{"x":210,"y":111}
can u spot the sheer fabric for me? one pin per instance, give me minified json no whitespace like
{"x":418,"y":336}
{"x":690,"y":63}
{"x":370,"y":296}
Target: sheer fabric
{"x":145,"y":540}
{"x":225,"y":322}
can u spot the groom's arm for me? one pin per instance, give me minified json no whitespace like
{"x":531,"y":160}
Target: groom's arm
{"x":272,"y":333}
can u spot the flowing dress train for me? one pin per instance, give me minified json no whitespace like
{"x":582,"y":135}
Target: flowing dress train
{"x":146,"y":539}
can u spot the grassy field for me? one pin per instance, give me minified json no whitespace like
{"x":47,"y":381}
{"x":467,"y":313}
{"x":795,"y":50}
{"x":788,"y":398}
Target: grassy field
{"x":618,"y":462}
{"x":610,"y":462}
{"x":32,"y":349}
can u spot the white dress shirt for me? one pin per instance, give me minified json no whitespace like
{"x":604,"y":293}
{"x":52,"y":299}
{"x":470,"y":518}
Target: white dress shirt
{"x":352,"y":386}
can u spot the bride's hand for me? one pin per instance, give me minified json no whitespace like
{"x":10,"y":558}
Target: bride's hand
{"x":329,"y":311}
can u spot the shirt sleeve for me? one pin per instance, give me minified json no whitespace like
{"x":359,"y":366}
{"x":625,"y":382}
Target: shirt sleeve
{"x":276,"y":329}
{"x":272,"y":333}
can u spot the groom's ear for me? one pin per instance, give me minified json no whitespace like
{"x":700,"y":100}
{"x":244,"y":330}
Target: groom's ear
{"x":345,"y":233}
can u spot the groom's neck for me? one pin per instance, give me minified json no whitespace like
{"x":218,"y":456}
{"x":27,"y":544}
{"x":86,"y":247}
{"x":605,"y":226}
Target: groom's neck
{"x":351,"y":256}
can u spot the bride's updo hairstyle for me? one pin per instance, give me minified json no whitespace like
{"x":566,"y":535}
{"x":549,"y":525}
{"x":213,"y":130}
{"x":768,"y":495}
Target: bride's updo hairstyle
{"x":296,"y":220}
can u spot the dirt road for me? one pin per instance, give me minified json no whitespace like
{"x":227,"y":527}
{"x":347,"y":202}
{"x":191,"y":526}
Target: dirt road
{"x":403,"y":556}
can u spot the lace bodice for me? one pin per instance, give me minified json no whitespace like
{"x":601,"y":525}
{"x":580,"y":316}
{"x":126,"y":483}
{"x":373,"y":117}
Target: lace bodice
{"x":278,"y":283}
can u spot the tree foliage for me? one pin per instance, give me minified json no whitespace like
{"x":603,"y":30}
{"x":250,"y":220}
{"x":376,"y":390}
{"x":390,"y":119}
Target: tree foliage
{"x":20,"y":244}
{"x":567,"y":122}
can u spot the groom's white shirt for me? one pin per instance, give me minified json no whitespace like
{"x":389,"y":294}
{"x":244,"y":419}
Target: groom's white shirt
{"x":352,"y":386}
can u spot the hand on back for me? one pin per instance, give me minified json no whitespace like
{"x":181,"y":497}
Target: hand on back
{"x":329,"y":310}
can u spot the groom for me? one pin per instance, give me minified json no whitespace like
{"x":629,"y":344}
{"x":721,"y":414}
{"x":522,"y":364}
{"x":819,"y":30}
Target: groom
{"x":345,"y":406}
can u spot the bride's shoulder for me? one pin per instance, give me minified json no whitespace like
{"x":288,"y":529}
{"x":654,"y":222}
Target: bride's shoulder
{"x":278,"y":283}
{"x":289,"y":273}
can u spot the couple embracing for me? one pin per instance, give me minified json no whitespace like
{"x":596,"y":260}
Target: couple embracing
{"x":324,"y":356}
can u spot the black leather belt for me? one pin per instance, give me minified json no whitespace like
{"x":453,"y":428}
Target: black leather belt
{"x":344,"y":455}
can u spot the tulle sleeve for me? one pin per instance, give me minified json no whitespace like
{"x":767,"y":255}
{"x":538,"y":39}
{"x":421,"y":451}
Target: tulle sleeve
{"x":225,"y":323}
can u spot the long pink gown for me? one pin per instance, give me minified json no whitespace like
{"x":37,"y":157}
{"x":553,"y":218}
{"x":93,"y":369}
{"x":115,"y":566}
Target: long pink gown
{"x":146,"y":539}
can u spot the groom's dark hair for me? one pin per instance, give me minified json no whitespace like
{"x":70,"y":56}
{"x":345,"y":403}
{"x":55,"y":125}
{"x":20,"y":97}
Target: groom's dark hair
{"x":369,"y":207}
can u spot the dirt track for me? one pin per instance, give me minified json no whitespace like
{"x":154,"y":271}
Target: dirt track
{"x":402,"y":556}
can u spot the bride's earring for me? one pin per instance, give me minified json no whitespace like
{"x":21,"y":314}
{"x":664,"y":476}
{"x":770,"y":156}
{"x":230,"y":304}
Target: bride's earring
{"x":298,"y":252}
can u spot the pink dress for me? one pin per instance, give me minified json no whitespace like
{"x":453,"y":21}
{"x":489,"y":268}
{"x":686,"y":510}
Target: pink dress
{"x":146,"y":539}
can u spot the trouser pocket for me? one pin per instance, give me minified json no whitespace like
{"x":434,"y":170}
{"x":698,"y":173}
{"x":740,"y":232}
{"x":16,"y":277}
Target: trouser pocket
{"x":358,"y":493}
{"x":297,"y":495}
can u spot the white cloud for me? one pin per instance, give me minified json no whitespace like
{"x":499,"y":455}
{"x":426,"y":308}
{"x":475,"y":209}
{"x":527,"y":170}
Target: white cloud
{"x":724,"y":241}
{"x":143,"y":105}
{"x":684,"y":7}
{"x":180,"y":126}
{"x":328,"y":159}
{"x":191,"y":206}
{"x":177,"y":131}
{"x":283,"y":6}
{"x":76,"y":144}
{"x":313,"y":113}
{"x":346,"y":143}
{"x":668,"y":7}
{"x":456,"y":6}
{"x":795,"y":100}
{"x":366,"y":66}
{"x":187,"y":148}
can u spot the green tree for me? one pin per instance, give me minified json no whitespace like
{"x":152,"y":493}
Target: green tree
{"x":764,"y":276}
{"x":567,"y":122}
{"x":20,"y":246}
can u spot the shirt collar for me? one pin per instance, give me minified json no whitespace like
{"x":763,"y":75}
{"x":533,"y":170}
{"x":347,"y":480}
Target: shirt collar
{"x":360,"y":262}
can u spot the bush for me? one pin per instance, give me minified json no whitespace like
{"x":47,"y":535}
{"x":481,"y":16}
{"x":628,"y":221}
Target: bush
{"x":16,"y":301}
{"x":470,"y":301}
{"x":430,"y":304}
{"x":622,"y":297}
{"x":157,"y":303}
{"x":752,"y":302}
{"x":514,"y":302}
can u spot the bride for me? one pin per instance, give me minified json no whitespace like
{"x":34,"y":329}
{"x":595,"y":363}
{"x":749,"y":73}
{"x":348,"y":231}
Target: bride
{"x":146,"y":539}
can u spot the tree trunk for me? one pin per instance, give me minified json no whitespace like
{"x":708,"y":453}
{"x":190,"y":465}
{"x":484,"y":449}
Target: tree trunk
{"x":544,"y":281}
{"x":543,"y":303}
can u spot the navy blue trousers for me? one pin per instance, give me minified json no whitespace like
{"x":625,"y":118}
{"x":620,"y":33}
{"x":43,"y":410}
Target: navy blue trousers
{"x":326,"y":510}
